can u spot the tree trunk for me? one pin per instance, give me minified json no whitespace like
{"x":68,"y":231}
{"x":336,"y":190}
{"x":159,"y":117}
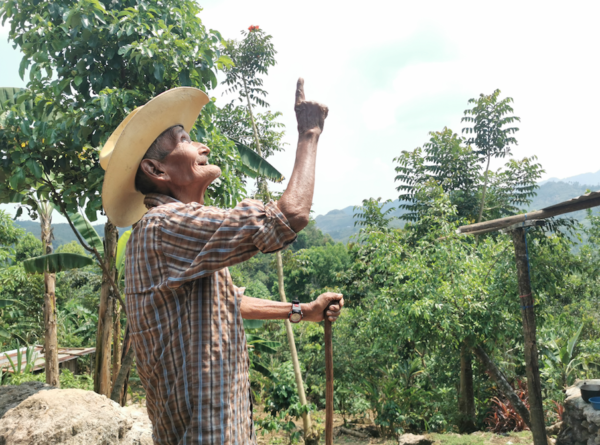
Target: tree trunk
{"x":466,"y":396}
{"x":310,"y":435}
{"x":483,"y":193}
{"x":102,"y":374}
{"x":50,"y":328}
{"x":503,"y":385}
{"x":116,"y":352}
{"x":534,"y":386}
{"x":119,"y":390}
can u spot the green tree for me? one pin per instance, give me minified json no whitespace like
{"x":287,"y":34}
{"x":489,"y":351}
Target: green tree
{"x":455,"y":165}
{"x":489,"y":133}
{"x":90,"y":63}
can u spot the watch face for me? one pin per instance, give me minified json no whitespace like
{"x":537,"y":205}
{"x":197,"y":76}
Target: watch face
{"x":295,"y":318}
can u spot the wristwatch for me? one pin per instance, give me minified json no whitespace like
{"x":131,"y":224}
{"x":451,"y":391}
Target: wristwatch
{"x":295,"y":314}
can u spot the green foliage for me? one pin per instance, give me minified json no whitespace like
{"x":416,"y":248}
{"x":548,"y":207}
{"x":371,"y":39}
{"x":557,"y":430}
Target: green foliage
{"x":371,"y":214}
{"x":17,"y":364}
{"x":28,"y":247}
{"x":489,"y":133}
{"x":561,"y":363}
{"x":67,"y":379}
{"x":311,"y":236}
{"x":255,"y":166}
{"x":56,"y":262}
{"x":310,"y":272}
{"x":252,"y":56}
{"x":457,"y":164}
{"x":282,"y":392}
{"x":90,"y":63}
{"x":233,"y":121}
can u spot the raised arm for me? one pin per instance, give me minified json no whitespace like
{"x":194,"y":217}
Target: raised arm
{"x":296,"y":201}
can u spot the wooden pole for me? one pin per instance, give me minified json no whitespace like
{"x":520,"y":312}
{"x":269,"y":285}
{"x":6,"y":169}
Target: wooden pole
{"x":310,"y":435}
{"x":534,"y":386}
{"x":328,"y":382}
{"x":498,"y":376}
{"x":497,"y":224}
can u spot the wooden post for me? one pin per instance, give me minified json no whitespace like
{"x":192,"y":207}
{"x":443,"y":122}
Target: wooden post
{"x":328,"y":382}
{"x":466,"y":395}
{"x":534,"y":386}
{"x":498,"y":376}
{"x":310,"y":436}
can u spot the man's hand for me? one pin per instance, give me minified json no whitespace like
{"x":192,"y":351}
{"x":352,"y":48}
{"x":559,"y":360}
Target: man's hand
{"x":297,"y":199}
{"x":315,"y":310}
{"x":310,"y":115}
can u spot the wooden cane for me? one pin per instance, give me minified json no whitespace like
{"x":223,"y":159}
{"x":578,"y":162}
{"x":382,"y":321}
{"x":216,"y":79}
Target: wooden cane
{"x":329,"y":380}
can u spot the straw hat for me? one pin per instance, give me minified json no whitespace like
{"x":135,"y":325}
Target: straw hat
{"x":124,"y":150}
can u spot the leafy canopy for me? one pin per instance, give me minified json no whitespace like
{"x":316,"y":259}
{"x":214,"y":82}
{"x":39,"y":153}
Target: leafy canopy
{"x":90,"y":63}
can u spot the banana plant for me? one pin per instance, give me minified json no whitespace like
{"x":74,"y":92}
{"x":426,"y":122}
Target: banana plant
{"x":561,"y":359}
{"x":255,"y":165}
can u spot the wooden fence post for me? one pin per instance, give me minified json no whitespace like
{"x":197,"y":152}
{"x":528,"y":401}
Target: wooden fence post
{"x":534,"y":386}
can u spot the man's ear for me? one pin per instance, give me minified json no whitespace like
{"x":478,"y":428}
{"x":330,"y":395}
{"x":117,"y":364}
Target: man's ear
{"x":154,"y":170}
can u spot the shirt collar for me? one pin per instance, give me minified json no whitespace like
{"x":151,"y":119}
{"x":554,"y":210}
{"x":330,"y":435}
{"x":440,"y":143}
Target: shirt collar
{"x":156,"y":199}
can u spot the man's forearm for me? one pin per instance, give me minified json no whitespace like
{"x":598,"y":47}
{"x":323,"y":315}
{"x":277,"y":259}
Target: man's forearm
{"x":296,"y":201}
{"x":259,"y":309}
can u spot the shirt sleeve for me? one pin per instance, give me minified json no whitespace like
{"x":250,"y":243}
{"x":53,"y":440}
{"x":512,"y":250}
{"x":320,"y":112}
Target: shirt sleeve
{"x":200,"y":240}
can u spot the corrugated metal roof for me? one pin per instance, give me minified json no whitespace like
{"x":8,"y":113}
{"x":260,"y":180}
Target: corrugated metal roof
{"x":585,"y":197}
{"x":64,"y":355}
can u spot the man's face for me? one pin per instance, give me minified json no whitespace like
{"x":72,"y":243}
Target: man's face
{"x":186,"y":166}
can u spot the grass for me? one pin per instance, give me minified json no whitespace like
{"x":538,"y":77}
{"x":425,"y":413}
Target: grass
{"x":481,"y":438}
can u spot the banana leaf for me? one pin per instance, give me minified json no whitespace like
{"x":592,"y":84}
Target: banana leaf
{"x":262,"y":369}
{"x":85,"y":229}
{"x":121,"y":248}
{"x":256,"y":164}
{"x":56,"y":262}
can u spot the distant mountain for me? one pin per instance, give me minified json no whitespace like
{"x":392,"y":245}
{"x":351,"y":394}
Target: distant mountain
{"x":62,"y":232}
{"x":340,"y":223}
{"x":592,"y":179}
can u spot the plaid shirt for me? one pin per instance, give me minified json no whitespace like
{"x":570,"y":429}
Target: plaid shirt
{"x":184,"y":314}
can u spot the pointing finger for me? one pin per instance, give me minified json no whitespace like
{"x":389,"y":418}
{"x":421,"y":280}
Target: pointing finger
{"x":300,"y":91}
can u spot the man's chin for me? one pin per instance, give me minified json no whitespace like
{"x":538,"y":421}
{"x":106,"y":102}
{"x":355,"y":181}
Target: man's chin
{"x":216,"y":171}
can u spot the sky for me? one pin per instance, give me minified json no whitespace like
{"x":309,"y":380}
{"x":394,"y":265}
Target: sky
{"x":392,"y":71}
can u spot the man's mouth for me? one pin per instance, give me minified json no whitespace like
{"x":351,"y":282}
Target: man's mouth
{"x":202,"y":160}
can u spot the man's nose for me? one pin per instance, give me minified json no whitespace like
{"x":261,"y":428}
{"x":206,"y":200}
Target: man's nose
{"x":202,"y":149}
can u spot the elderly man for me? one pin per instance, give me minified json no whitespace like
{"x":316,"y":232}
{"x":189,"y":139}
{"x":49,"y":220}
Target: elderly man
{"x":184,"y":312}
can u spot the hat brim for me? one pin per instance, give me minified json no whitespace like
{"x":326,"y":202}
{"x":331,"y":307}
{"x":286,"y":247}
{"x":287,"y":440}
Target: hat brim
{"x":124,"y":150}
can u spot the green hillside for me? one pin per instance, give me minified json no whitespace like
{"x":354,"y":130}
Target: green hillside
{"x":62,"y":232}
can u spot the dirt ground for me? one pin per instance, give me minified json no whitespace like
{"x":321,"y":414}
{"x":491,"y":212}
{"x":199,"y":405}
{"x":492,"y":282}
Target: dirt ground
{"x":477,"y":438}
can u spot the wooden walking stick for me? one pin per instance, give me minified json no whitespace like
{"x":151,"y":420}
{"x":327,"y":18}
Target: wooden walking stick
{"x":329,"y":381}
